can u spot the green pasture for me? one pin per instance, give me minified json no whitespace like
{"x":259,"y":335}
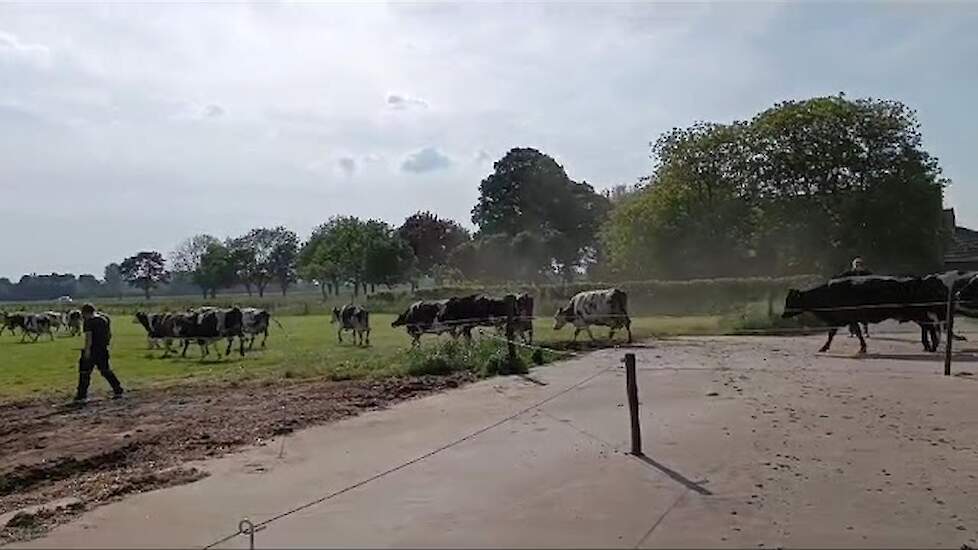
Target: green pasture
{"x":305,"y":346}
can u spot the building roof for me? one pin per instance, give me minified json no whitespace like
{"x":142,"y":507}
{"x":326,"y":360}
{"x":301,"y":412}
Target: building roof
{"x":963,"y":246}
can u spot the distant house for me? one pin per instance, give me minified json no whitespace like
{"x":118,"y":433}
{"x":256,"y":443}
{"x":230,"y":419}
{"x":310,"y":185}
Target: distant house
{"x":962,"y":248}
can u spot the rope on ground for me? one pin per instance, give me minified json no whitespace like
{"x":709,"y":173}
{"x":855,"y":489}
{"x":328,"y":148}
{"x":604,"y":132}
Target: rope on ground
{"x":415,"y":460}
{"x":528,"y":346}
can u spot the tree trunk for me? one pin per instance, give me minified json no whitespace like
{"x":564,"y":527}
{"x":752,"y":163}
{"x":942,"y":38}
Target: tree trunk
{"x":213,"y":293}
{"x":356,"y":289}
{"x":373,"y":288}
{"x":203,"y":291}
{"x":146,"y":291}
{"x":414,"y":286}
{"x":248,"y":288}
{"x":324,"y":289}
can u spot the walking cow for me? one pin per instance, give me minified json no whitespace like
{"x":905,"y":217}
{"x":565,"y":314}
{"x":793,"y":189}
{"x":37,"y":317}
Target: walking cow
{"x":422,"y":317}
{"x":353,"y":318}
{"x":873,"y":299}
{"x":607,"y":308}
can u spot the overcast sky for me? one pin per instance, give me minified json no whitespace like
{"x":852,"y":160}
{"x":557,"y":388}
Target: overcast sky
{"x":132,"y":126}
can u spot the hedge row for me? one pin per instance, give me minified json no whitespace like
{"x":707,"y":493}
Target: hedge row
{"x":698,"y":296}
{"x":694,"y":297}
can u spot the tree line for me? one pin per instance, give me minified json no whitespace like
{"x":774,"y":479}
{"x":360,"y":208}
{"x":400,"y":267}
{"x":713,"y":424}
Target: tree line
{"x":800,"y":188}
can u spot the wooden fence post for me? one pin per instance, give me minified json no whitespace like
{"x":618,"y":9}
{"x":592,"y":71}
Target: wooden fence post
{"x":950,"y":331}
{"x":631,"y":389}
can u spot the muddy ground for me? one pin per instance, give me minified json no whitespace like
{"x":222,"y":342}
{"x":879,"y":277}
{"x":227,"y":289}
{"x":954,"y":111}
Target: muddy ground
{"x":87,"y":456}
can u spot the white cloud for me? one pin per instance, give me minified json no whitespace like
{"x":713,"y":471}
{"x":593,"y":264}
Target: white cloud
{"x":347,"y":165}
{"x":428,"y":159}
{"x":213,"y":111}
{"x":125,"y":101}
{"x":401,"y":102}
{"x":482,"y":156}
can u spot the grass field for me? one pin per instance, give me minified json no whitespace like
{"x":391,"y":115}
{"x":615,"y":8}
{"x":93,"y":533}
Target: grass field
{"x":306,"y":346}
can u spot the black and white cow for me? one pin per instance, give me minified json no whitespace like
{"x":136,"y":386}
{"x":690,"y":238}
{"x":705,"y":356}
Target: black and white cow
{"x":873,"y":299}
{"x":7,"y":322}
{"x":204,"y":326}
{"x":421,"y":317}
{"x":73,"y":322}
{"x":34,"y":324}
{"x":255,"y":321}
{"x":159,"y":329}
{"x":208,"y":325}
{"x":608,"y":307}
{"x":955,"y":281}
{"x":353,"y":318}
{"x":55,"y":320}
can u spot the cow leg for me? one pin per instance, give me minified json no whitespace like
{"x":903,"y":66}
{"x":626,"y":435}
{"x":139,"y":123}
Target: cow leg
{"x":828,"y":343}
{"x":628,"y":329}
{"x":264,"y":337}
{"x":577,"y":330}
{"x":611,"y":334}
{"x":368,"y":336}
{"x":929,"y":336}
{"x":186,"y":344}
{"x":230,"y":343}
{"x":589,"y":333}
{"x":866,"y":329}
{"x":862,"y":341}
{"x":339,"y":335}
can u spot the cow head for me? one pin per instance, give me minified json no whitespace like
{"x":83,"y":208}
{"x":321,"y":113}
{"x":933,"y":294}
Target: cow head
{"x":562,"y":317}
{"x":336,"y":316}
{"x":793,"y":304}
{"x":968,"y":297}
{"x":401,"y":320}
{"x":142,"y":319}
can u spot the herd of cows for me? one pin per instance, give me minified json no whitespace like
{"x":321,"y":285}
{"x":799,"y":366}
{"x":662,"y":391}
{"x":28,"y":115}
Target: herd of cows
{"x":456,"y":316}
{"x":38,"y":324}
{"x":845,"y":301}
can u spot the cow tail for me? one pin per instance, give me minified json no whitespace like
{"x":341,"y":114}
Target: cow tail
{"x":277,"y":323}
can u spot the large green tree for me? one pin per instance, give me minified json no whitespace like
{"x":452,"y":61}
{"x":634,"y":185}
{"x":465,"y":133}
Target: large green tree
{"x":216,"y":269}
{"x":432,"y":239}
{"x":801,"y":188}
{"x":529,"y":192}
{"x":146,"y":271}
{"x":264,"y":255}
{"x":357,"y":251}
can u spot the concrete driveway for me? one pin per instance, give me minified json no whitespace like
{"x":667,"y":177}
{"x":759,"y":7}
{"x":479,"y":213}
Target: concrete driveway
{"x":750,"y":441}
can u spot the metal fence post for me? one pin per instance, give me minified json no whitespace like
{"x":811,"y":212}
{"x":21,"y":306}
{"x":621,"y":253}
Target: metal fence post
{"x":950,"y":331}
{"x":631,"y":389}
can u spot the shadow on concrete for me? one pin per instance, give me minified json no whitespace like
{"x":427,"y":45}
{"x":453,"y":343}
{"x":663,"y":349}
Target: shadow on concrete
{"x":932,"y":357}
{"x":530,"y":379}
{"x":675,"y":476}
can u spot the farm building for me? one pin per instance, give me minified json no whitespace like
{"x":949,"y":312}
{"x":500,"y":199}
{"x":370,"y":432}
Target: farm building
{"x":962,"y":247}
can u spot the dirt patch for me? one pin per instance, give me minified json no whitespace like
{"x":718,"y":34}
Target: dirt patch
{"x":108,"y":449}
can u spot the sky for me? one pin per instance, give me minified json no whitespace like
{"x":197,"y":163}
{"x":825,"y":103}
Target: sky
{"x":132,"y":126}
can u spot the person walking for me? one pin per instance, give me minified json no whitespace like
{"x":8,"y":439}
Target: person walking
{"x":95,"y":354}
{"x":858,"y":270}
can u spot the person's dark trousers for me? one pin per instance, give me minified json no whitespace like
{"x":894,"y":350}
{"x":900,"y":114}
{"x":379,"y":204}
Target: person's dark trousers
{"x":99,"y":360}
